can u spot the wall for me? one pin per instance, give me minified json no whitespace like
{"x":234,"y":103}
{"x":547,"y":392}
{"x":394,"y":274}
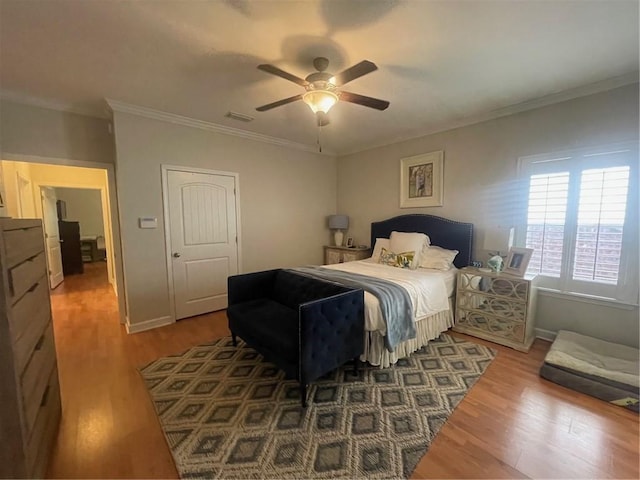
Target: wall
{"x":35,"y":131}
{"x":85,"y":206}
{"x":480,"y":184}
{"x":285,"y":196}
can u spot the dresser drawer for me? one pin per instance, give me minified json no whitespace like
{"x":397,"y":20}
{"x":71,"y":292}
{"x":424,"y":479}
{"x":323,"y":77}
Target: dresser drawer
{"x":24,"y":275}
{"x":22,"y":244}
{"x":28,"y":319}
{"x":45,"y":428}
{"x":36,"y":373}
{"x":489,"y":327}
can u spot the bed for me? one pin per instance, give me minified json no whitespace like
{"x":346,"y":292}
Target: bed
{"x":433,"y":315}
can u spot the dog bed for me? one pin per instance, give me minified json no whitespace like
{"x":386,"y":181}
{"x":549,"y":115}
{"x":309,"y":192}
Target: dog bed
{"x":604,"y":370}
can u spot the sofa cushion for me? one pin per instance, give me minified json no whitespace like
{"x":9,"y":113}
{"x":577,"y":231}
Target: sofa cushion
{"x":271,"y":324}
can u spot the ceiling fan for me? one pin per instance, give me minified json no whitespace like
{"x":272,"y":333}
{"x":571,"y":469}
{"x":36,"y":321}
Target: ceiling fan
{"x":321,"y":88}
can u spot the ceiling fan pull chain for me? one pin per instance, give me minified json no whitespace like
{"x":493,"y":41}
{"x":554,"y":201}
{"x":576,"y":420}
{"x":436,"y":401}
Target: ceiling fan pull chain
{"x":319,"y":144}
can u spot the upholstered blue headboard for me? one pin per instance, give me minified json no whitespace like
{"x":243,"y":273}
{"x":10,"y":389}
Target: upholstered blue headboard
{"x":443,"y":232}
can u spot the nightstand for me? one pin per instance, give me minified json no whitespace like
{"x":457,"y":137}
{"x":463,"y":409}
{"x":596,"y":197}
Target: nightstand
{"x":497,"y":307}
{"x":333,"y":254}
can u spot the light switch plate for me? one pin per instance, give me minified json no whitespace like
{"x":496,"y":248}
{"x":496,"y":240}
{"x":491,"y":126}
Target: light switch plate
{"x":148,"y":222}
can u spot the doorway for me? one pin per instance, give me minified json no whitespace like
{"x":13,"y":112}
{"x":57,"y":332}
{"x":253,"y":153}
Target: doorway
{"x":23,"y":182}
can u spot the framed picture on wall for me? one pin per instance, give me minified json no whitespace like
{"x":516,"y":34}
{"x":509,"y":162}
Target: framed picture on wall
{"x":421,"y":179}
{"x":518,"y":261}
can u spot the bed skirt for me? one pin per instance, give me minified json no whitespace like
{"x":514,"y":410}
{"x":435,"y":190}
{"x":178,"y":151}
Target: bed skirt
{"x":427,"y":329}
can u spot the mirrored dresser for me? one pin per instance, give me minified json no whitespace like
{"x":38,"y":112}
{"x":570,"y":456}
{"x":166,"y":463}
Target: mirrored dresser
{"x":333,"y":254}
{"x":497,"y":307}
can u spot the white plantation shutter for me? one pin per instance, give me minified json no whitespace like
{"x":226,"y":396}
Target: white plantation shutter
{"x":580,"y":224}
{"x":545,"y":222}
{"x":601,"y":214}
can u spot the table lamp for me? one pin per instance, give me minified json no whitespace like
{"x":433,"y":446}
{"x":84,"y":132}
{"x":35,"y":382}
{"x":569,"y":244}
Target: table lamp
{"x":338,"y":223}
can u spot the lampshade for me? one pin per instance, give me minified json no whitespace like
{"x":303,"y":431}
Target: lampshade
{"x":498,"y":239}
{"x":320,"y":100}
{"x":338,"y":222}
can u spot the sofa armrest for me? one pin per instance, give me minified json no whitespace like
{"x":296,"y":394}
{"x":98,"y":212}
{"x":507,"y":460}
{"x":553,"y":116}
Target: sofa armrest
{"x":331,"y":333}
{"x":250,"y":286}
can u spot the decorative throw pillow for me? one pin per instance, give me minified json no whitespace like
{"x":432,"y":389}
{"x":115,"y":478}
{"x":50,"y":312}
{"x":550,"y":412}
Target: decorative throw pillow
{"x":400,"y":260}
{"x":409,"y":242}
{"x":438,"y":258}
{"x":377,"y":249}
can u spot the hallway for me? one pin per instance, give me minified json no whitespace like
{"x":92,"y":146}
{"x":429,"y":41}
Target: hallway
{"x":108,"y":426}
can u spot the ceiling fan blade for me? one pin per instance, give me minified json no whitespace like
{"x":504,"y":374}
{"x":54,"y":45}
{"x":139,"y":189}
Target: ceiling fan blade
{"x":279,"y":103}
{"x":364,"y":101}
{"x":351,"y":73}
{"x":265,"y":67}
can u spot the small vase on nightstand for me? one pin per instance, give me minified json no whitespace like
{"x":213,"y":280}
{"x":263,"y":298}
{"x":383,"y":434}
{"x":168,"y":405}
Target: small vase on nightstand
{"x":495,"y":263}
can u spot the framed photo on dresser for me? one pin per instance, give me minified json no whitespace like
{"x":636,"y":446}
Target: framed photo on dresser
{"x":518,"y":261}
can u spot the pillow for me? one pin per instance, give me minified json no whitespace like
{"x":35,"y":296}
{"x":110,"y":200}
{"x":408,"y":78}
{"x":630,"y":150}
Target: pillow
{"x":438,"y":258}
{"x":380,"y":244}
{"x":409,"y":242}
{"x":400,"y":260}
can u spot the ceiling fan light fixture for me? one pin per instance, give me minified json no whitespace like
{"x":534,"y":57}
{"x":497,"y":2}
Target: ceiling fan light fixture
{"x":320,"y":86}
{"x":320,"y":100}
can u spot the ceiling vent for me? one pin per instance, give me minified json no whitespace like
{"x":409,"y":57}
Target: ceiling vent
{"x":239,"y":116}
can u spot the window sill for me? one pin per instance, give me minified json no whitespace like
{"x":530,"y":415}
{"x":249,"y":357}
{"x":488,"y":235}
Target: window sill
{"x":581,"y":297}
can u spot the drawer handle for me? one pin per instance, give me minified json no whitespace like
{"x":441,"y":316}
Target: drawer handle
{"x":40,"y":342}
{"x":32,"y":288}
{"x":45,"y":396}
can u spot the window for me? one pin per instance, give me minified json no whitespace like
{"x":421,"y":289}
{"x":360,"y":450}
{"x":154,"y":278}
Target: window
{"x":580,"y":224}
{"x":601,"y":213}
{"x":545,"y":223}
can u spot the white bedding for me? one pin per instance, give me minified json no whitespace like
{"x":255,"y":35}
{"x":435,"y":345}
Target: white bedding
{"x":449,"y":278}
{"x":428,"y":289}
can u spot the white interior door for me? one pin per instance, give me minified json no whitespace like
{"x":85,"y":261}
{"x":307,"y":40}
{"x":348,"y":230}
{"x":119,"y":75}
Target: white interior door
{"x":26,"y":208}
{"x":203,"y":240}
{"x":51,"y":235}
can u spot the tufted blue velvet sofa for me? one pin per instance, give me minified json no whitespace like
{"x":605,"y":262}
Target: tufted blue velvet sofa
{"x":306,"y":326}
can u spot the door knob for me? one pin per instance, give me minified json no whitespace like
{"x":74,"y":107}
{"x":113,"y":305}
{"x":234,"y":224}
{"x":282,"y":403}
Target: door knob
{"x":176,"y":255}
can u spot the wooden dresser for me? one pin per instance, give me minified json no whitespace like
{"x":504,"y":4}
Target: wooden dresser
{"x":30,"y":405}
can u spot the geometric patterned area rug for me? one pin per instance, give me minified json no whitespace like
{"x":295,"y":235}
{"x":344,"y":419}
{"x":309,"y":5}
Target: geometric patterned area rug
{"x":226,"y":413}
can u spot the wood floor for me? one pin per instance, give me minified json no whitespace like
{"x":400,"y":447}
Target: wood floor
{"x":512,"y":424}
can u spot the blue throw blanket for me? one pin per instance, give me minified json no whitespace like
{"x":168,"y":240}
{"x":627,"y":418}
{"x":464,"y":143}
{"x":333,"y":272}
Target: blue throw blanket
{"x":395,"y":303}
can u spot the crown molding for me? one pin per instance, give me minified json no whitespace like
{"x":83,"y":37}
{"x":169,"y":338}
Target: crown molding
{"x":122,"y":107}
{"x":51,"y":104}
{"x":117,"y":106}
{"x":558,"y":97}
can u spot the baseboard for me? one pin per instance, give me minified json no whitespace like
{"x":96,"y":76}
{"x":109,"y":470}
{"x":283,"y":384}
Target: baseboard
{"x":547,"y":335}
{"x":148,"y":324}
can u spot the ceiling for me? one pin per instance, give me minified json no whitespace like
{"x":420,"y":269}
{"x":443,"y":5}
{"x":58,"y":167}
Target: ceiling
{"x":441,"y":63}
